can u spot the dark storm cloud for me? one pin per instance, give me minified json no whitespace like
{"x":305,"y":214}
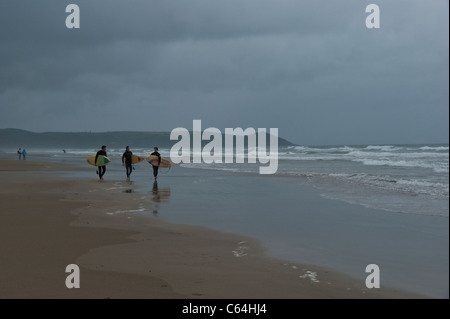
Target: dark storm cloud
{"x":312,"y":69}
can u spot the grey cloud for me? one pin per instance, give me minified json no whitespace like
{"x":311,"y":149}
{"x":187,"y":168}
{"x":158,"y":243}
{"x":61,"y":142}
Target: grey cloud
{"x":312,"y":69}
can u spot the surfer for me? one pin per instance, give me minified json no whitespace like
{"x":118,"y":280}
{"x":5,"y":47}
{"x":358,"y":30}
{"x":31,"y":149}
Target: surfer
{"x":19,"y":152}
{"x":155,"y":167}
{"x":24,"y":154}
{"x":126,"y":161}
{"x":101,"y":169}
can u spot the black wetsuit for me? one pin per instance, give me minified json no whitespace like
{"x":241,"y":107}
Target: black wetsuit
{"x":101,"y":169}
{"x":128,"y":165}
{"x":155,"y":168}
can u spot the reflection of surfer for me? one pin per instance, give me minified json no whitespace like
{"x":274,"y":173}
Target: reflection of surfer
{"x":155,"y":167}
{"x":160,"y":194}
{"x":156,"y":197}
{"x":101,"y":169}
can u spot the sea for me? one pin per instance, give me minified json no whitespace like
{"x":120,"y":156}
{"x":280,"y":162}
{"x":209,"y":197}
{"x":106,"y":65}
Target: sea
{"x":341,"y":207}
{"x":411,"y":179}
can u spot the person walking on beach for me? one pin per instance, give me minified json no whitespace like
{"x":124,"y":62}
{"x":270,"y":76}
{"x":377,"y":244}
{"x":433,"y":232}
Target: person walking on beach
{"x":101,"y":169}
{"x":155,"y":168}
{"x":19,"y":151}
{"x":126,"y":161}
{"x":24,"y":154}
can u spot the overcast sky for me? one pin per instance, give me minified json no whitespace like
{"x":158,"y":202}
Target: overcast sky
{"x":310,"y":68}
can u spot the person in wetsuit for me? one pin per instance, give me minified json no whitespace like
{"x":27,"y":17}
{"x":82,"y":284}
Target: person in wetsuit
{"x":155,"y":168}
{"x":126,"y":161}
{"x":101,"y":169}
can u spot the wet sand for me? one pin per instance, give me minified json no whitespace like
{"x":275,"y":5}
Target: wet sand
{"x":50,"y":221}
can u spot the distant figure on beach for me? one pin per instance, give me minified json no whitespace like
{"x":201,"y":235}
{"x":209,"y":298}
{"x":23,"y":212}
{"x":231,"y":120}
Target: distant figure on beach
{"x":24,"y":154}
{"x":155,"y":168}
{"x":19,"y":151}
{"x":101,"y":169}
{"x":126,"y":161}
{"x":64,"y":151}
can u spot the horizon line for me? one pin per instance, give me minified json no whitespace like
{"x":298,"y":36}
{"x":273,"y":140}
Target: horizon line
{"x":294,"y":144}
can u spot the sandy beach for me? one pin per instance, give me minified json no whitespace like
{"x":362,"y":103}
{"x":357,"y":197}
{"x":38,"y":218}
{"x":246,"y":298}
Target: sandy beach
{"x":50,"y":221}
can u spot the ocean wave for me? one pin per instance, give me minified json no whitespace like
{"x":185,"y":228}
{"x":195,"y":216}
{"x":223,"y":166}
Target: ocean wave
{"x":386,"y":154}
{"x":430,"y":157}
{"x":413,"y":186}
{"x":367,"y":149}
{"x":438,"y":162}
{"x":403,"y":163}
{"x":361,"y":154}
{"x":383,"y":148}
{"x":434,"y":148}
{"x":331,"y":150}
{"x":290,"y":157}
{"x":441,"y":170}
{"x":403,"y":208}
{"x":422,"y":183}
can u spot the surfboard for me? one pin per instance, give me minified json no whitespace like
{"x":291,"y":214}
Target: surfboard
{"x":101,"y":160}
{"x":153,"y":160}
{"x":136,"y":159}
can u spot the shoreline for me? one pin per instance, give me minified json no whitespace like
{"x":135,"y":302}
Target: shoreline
{"x":125,"y":255}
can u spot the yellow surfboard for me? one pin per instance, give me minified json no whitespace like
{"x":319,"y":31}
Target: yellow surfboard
{"x":101,"y":160}
{"x":153,"y":160}
{"x":136,"y":159}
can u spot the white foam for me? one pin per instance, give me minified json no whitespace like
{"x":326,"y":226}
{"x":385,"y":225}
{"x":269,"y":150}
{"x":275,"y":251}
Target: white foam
{"x":383,"y":148}
{"x":306,"y":149}
{"x":403,"y":163}
{"x":240,"y":251}
{"x":140,"y":209}
{"x":311,"y":275}
{"x":311,"y":158}
{"x":403,"y":184}
{"x":435,"y":148}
